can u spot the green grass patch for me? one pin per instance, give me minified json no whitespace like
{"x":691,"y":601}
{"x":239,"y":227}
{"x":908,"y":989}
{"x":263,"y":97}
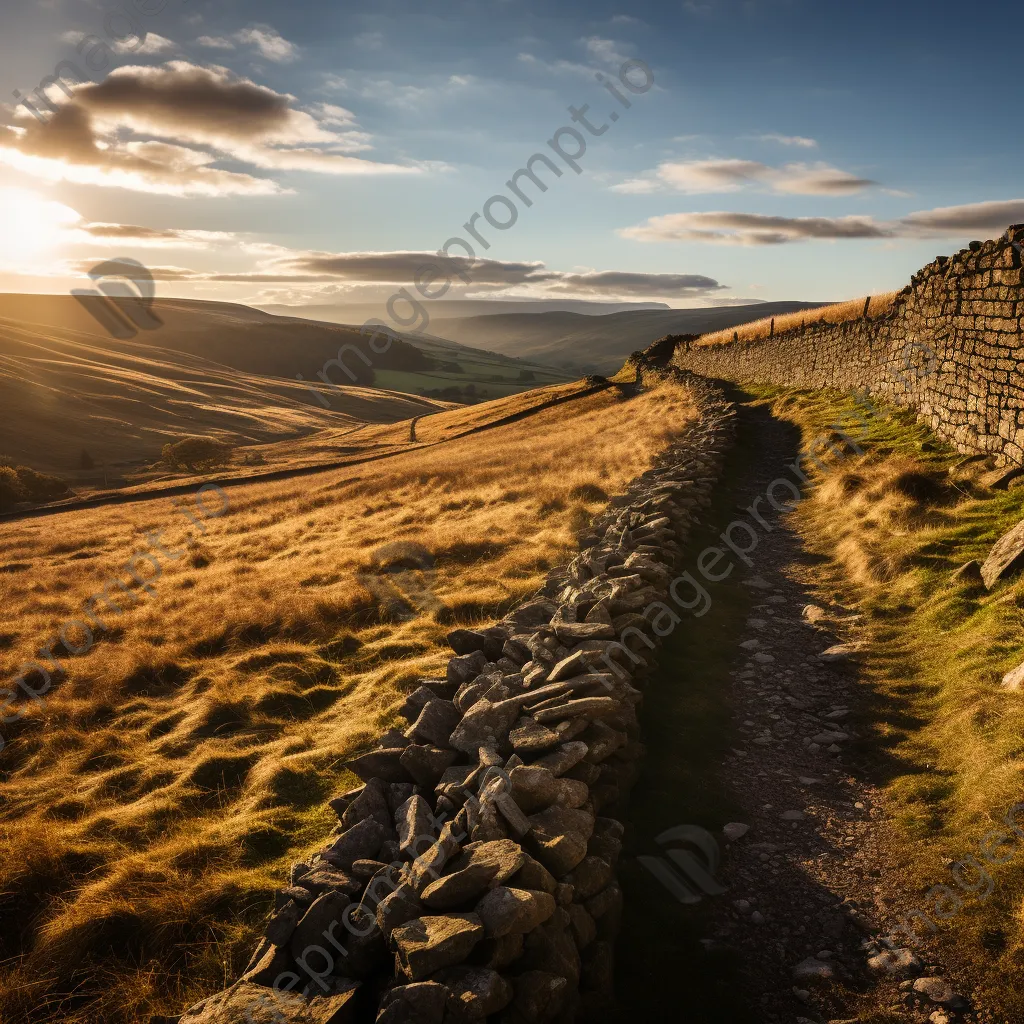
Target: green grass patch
{"x":891,"y":525}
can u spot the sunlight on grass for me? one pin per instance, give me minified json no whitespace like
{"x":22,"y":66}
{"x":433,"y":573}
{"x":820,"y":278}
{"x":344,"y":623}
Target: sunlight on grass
{"x":893,"y":525}
{"x":153,"y":800}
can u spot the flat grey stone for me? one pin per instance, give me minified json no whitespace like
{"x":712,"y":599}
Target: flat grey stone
{"x":1006,"y":557}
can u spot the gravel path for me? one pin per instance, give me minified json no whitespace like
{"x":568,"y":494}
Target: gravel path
{"x":804,"y":862}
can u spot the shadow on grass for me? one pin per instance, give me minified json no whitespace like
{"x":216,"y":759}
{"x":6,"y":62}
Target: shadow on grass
{"x":663,"y":971}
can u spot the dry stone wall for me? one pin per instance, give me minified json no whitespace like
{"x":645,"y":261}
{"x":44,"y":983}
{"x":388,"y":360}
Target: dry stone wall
{"x":951,"y":347}
{"x":472,"y":876}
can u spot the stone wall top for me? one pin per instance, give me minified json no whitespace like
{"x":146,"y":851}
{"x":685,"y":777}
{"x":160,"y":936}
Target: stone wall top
{"x":951,"y":347}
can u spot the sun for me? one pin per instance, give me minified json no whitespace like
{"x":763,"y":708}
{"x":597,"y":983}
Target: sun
{"x":31,"y":228}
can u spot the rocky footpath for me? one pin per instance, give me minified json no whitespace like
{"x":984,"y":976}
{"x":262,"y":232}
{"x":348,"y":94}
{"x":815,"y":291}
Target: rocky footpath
{"x":473,"y":875}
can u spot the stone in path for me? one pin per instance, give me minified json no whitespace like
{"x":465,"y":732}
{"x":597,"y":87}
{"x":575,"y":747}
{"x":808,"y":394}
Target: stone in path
{"x":1006,"y":557}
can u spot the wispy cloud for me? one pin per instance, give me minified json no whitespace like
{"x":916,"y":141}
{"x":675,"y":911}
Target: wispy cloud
{"x":386,"y":269}
{"x":604,"y":51}
{"x":701,"y":177}
{"x":270,"y":43}
{"x":137,"y":235}
{"x":799,"y":141}
{"x":267,"y":41}
{"x":750,"y":228}
{"x":216,"y":42}
{"x":149,"y":45}
{"x":754,"y":229}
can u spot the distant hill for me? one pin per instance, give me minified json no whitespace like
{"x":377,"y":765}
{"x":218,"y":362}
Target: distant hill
{"x":75,"y":397}
{"x":66,"y":386}
{"x":359,"y":313}
{"x":596,"y":343}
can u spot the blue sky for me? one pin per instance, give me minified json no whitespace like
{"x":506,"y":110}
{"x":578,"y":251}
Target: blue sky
{"x":301,"y":152}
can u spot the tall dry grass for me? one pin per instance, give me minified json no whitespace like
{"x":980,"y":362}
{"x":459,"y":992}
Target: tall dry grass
{"x":838,"y":313}
{"x":151,"y":802}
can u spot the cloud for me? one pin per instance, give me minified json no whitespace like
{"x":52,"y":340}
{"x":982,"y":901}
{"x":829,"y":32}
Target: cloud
{"x":557,"y":66}
{"x":604,"y":51}
{"x":171,"y":238}
{"x":192,"y":110}
{"x":216,"y":42}
{"x":266,"y":40}
{"x":817,"y":180}
{"x":359,"y":271}
{"x":619,"y":282}
{"x":158,"y":273}
{"x":270,"y":43}
{"x":976,"y":218}
{"x":789,"y":140}
{"x":751,"y":228}
{"x":150,"y":44}
{"x":984,"y":220}
{"x":701,"y":177}
{"x":395,"y":94}
{"x":68,"y":148}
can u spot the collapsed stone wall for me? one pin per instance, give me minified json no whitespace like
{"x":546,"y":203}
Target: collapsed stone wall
{"x":472,"y":876}
{"x":951,"y":347}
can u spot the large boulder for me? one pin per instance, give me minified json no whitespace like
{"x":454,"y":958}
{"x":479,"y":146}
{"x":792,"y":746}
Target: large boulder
{"x":480,"y":867}
{"x":255,"y":1004}
{"x":429,"y":944}
{"x":427,"y":764}
{"x":435,"y":723}
{"x":506,"y":911}
{"x":383,"y":764}
{"x":361,"y":842}
{"x":475,"y":992}
{"x":560,"y":836}
{"x":538,"y":997}
{"x":372,"y":802}
{"x":535,"y":787}
{"x":422,"y":1002}
{"x":485,"y":724}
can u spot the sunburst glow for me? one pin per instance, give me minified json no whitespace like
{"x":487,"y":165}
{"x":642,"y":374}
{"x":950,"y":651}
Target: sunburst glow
{"x":31,"y":228}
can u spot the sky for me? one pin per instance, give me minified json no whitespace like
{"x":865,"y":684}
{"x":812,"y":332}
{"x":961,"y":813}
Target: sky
{"x":692,"y":153}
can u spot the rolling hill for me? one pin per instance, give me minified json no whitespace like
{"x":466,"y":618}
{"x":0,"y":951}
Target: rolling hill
{"x":596,"y":343}
{"x":153,"y":800}
{"x":214,"y":369}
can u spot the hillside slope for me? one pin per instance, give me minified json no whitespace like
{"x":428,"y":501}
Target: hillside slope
{"x":596,"y":343}
{"x":69,"y":387}
{"x":214,"y":369}
{"x":152,"y":799}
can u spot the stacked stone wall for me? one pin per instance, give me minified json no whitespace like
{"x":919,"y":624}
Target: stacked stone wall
{"x":472,"y":876}
{"x":951,"y":347}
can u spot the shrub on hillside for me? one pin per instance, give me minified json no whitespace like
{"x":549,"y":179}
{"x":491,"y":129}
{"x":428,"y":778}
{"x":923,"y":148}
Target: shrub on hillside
{"x":195,"y":454}
{"x":10,"y":489}
{"x":41,"y":486}
{"x":20,"y":484}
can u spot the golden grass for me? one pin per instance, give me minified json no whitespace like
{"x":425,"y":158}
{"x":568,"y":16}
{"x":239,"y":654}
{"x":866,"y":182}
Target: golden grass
{"x":891,"y":527}
{"x":153,"y":800}
{"x":837,"y":313}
